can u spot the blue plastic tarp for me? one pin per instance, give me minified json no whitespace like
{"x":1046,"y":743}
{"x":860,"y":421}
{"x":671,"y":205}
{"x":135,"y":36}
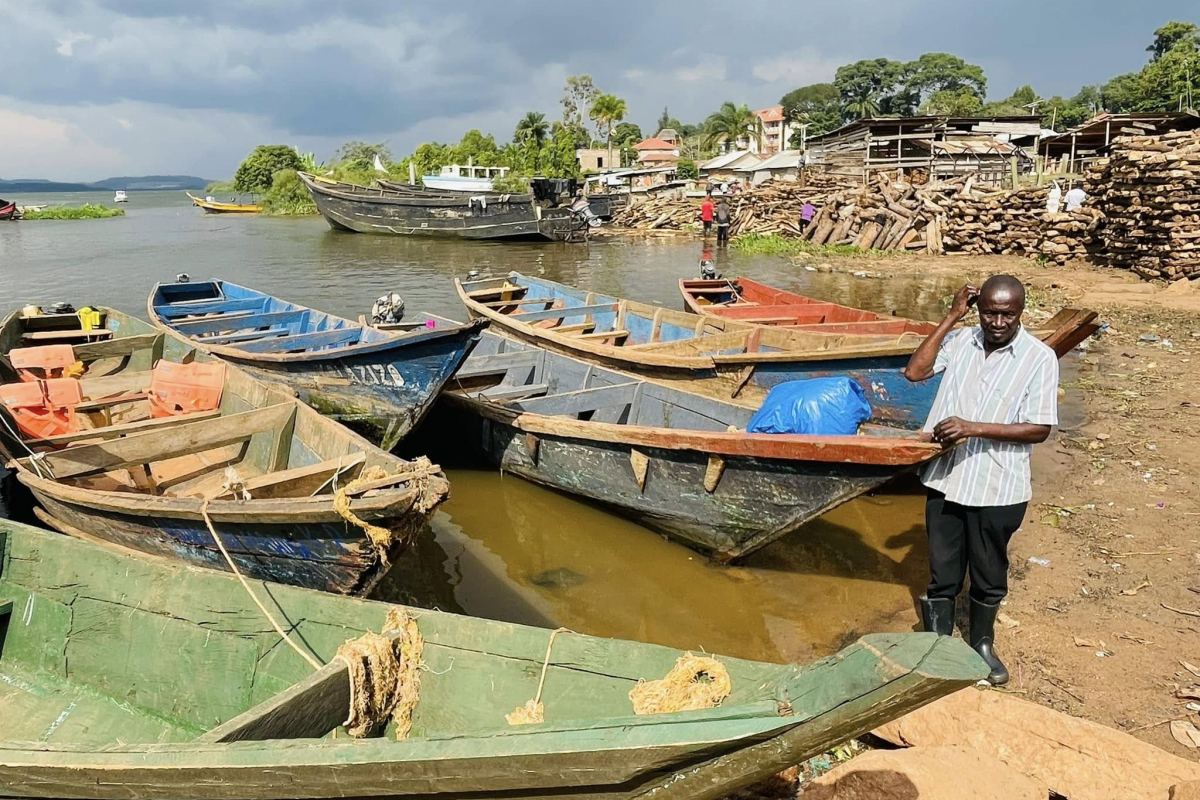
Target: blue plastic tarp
{"x":821,"y":406}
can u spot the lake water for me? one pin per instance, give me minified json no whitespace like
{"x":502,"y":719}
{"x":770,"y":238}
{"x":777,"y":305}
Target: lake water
{"x":501,"y":547}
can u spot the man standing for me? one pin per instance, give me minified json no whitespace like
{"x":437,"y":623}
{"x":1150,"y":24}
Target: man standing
{"x":998,"y":398}
{"x":706,"y":214}
{"x":1076,"y":198}
{"x":724,"y":216}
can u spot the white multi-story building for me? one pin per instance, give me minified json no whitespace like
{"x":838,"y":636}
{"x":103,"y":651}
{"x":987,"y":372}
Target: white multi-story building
{"x":776,"y":132}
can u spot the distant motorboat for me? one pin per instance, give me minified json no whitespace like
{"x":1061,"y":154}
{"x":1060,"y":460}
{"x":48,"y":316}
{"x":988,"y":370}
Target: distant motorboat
{"x":211,"y":206}
{"x":120,"y":197}
{"x":459,"y":178}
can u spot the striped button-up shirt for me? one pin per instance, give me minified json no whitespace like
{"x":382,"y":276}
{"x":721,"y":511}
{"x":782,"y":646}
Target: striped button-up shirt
{"x":1016,"y":383}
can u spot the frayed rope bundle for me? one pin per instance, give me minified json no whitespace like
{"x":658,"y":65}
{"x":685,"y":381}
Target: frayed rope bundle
{"x":382,"y":538}
{"x":384,"y":679}
{"x":694,"y":683}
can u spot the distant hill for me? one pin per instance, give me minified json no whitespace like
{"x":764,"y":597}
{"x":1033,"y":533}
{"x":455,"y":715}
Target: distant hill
{"x":144,"y":182}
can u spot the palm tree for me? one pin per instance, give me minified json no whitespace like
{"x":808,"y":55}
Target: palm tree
{"x":731,"y":124}
{"x":532,"y":126}
{"x":863,"y":105}
{"x":607,"y":110}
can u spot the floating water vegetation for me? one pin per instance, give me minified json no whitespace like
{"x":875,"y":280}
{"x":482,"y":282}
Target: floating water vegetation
{"x":85,"y":211}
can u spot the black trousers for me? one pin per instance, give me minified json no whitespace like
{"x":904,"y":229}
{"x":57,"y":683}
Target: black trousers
{"x":966,"y":539}
{"x":722,"y":234}
{"x":707,"y":228}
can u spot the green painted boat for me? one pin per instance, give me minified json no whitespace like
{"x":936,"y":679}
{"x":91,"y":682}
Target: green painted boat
{"x":134,"y":677}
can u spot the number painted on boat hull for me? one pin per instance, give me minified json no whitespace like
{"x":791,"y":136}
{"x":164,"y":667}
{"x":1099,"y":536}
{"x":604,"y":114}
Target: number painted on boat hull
{"x":377,"y":375}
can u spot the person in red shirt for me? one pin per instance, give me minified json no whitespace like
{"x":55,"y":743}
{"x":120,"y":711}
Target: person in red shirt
{"x":706,"y":214}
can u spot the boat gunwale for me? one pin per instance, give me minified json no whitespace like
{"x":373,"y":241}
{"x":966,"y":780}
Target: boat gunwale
{"x":395,"y":197}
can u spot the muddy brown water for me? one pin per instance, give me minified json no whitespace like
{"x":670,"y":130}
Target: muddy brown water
{"x":501,"y":547}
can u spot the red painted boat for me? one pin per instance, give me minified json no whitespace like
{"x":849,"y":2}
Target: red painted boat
{"x":7,"y":210}
{"x":744,"y":300}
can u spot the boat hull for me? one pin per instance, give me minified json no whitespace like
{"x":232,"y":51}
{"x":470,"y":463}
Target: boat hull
{"x":440,"y":217}
{"x":8,"y":211}
{"x":380,"y":395}
{"x":755,"y":502}
{"x":330,"y":556}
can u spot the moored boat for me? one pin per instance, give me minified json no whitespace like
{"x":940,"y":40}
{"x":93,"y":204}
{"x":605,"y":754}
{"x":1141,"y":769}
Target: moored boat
{"x":349,"y":207}
{"x":212,"y":206}
{"x":120,"y":197}
{"x":379,"y":382}
{"x":118,"y":443}
{"x":720,"y":358}
{"x":126,"y":677}
{"x":8,"y":210}
{"x":746,"y":300}
{"x":676,"y":462}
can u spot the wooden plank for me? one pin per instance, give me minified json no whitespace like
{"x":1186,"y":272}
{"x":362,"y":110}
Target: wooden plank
{"x":301,"y":481}
{"x":143,"y":448}
{"x":121,"y":383}
{"x":175,"y":311}
{"x":51,"y":336}
{"x":245,"y":336}
{"x":498,"y":363}
{"x":602,"y":335}
{"x":580,"y":400}
{"x":123,"y":346}
{"x":125,"y":429}
{"x":558,"y":313}
{"x":308,"y":710}
{"x":236,"y":322}
{"x":524,"y":301}
{"x":304,"y":341}
{"x":502,"y":393}
{"x":578,"y":327}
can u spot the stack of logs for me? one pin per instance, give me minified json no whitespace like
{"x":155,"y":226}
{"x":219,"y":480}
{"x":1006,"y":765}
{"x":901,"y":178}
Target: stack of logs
{"x":1149,"y":189}
{"x":947,"y":216}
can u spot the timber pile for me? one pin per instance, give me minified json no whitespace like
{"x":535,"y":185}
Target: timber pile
{"x":949,"y":216}
{"x":1149,"y":189}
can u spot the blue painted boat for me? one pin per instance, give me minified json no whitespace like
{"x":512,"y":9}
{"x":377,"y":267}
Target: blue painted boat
{"x":382,"y":383}
{"x":265,"y":468}
{"x":720,"y":358}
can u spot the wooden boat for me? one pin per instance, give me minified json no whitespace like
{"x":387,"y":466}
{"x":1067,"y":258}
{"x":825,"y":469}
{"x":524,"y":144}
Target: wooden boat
{"x":677,"y":462}
{"x":349,"y":207}
{"x":213,"y":207}
{"x":125,"y":473}
{"x":133,"y":678}
{"x":719,"y":358}
{"x":380,"y":383}
{"x":746,"y":300}
{"x":8,"y":210}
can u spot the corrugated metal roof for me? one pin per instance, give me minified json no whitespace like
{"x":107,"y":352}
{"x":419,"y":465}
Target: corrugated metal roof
{"x":788,"y":159}
{"x":728,"y":160}
{"x":981,"y":145}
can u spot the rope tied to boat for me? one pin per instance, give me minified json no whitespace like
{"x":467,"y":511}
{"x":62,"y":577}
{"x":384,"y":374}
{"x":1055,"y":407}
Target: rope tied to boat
{"x":418,"y":474}
{"x":384,"y":675}
{"x":694,"y":683}
{"x":533,"y":711}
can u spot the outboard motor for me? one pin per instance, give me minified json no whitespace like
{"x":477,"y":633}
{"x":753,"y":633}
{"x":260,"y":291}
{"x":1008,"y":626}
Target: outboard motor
{"x":183,"y":277}
{"x":60,"y":308}
{"x":388,"y":310}
{"x":581,"y":208}
{"x":708,"y":270}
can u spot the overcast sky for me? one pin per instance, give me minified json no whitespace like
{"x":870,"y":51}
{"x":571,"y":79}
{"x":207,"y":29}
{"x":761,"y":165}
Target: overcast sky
{"x":94,"y":88}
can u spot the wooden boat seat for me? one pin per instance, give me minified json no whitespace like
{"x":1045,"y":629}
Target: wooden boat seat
{"x":303,"y":481}
{"x":499,"y":363}
{"x":560,"y":313}
{"x":57,"y":336}
{"x":178,"y":311}
{"x":506,"y":393}
{"x":124,"y":429}
{"x":581,"y":400}
{"x":184,"y":439}
{"x":336,"y":337}
{"x":526,"y":301}
{"x":602,"y":335}
{"x":117,"y":348}
{"x":247,"y":336}
{"x":505,"y":288}
{"x":579,"y":327}
{"x":222,"y":323}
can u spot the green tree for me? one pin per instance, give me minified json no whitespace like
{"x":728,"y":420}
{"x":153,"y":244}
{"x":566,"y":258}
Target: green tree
{"x":578,"y":96}
{"x":627,"y":134}
{"x":942,"y":72}
{"x":732,"y":124}
{"x":533,"y":126}
{"x":1122,"y":94}
{"x":606,"y":111}
{"x":664,"y":120}
{"x":477,"y":148}
{"x":257,"y":172}
{"x":1170,"y":83}
{"x":963,"y":102}
{"x":818,"y":106}
{"x":288,"y":195}
{"x":558,"y":156}
{"x":360,"y":156}
{"x":687,"y":169}
{"x":866,"y":87}
{"x":1172,"y":35}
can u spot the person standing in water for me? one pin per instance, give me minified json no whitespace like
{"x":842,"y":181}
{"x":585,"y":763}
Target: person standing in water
{"x":724,"y":216}
{"x":998,"y":398}
{"x":706,"y":214}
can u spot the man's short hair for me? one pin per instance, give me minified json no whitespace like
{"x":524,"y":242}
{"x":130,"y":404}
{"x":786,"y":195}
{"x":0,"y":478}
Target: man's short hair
{"x":1003,"y":284}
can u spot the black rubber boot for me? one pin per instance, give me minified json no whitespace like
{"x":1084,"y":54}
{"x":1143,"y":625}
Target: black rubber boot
{"x":983,"y":638}
{"x":938,"y":615}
